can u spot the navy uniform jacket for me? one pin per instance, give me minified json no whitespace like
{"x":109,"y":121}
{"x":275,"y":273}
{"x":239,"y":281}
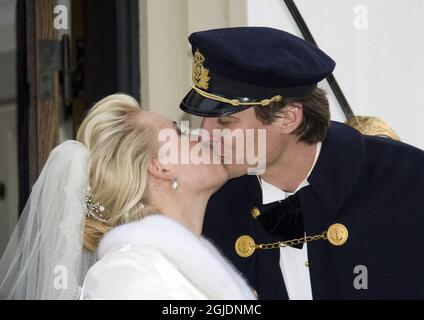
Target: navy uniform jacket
{"x":372,"y":185}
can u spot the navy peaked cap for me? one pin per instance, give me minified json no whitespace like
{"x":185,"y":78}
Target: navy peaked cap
{"x":237,"y":68}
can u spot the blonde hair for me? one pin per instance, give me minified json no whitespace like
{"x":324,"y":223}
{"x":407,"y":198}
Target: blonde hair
{"x":120,"y":152}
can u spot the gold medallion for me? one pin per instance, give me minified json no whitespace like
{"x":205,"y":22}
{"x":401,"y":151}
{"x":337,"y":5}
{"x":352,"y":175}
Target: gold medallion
{"x":337,"y":234}
{"x":245,"y":246}
{"x":200,"y":74}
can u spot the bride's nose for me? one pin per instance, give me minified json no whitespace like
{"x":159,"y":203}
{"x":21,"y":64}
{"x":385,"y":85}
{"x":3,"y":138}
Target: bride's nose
{"x":200,"y":138}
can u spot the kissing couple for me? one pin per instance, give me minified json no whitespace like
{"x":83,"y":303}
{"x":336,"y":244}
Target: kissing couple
{"x":110,"y":218}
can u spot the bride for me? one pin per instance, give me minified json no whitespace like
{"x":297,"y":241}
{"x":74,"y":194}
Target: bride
{"x":109,"y":198}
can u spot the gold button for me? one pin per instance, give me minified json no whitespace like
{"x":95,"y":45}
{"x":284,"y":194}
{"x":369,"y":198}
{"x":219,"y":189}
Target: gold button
{"x":307,"y":264}
{"x":337,"y":234}
{"x":255,"y":212}
{"x":245,"y":246}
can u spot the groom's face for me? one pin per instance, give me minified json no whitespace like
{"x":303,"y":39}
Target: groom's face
{"x":242,"y":135}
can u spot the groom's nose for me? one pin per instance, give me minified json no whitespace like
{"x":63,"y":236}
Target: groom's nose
{"x":209,"y":124}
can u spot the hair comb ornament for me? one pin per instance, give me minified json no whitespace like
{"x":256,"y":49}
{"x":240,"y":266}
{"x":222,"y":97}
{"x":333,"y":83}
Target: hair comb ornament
{"x":95,"y":210}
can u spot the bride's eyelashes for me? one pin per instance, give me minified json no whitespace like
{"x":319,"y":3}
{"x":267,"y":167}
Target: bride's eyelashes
{"x":186,"y":131}
{"x":177,"y":128}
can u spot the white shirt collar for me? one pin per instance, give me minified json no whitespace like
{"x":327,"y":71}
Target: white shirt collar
{"x":271,"y":193}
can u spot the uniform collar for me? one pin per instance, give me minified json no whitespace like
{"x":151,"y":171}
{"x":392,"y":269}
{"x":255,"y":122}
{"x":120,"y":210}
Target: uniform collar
{"x":338,"y":166}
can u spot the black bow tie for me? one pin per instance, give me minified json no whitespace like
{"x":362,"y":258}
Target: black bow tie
{"x":283,"y":219}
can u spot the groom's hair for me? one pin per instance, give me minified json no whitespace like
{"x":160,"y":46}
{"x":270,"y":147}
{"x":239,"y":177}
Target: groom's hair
{"x":316,"y":115}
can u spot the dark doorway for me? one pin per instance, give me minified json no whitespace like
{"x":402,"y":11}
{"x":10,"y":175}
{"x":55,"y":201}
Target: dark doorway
{"x":99,"y":56}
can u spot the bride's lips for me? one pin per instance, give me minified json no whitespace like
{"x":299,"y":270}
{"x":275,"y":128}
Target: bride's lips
{"x":217,"y":146}
{"x":217,"y":149}
{"x":209,"y":143}
{"x":223,"y":150}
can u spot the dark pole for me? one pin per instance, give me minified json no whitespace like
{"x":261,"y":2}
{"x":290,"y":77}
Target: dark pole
{"x":307,"y":35}
{"x":23,"y":103}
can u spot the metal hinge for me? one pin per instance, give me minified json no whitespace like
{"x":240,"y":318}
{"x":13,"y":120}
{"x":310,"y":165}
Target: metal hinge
{"x":54,"y":56}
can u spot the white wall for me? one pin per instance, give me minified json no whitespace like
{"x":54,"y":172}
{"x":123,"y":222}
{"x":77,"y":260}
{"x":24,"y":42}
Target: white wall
{"x":8,"y":121}
{"x":380,"y":68}
{"x":8,"y":172}
{"x":166,"y":58}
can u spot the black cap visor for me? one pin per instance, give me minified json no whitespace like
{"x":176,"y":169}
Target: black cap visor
{"x":198,"y":105}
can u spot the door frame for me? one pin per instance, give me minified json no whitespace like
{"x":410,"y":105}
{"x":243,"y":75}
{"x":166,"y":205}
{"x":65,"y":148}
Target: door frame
{"x":38,"y":118}
{"x":104,"y":57}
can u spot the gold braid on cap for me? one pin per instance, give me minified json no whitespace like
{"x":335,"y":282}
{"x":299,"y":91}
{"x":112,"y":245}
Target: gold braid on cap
{"x":236,"y":102}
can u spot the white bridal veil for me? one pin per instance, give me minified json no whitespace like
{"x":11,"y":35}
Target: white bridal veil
{"x":45,"y":258}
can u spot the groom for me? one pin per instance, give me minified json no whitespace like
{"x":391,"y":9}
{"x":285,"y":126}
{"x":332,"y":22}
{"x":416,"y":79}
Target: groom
{"x":335,"y":215}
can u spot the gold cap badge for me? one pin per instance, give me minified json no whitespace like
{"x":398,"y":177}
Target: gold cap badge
{"x":200,"y":74}
{"x":201,"y":78}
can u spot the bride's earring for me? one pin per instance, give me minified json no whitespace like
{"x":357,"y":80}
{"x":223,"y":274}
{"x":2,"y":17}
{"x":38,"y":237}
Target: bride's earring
{"x":174,"y":184}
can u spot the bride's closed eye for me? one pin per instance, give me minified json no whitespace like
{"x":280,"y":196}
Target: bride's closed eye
{"x":177,"y":128}
{"x":186,"y":131}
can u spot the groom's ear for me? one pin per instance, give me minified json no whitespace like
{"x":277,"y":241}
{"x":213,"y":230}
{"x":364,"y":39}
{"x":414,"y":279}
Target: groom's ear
{"x":291,"y":118}
{"x":159,"y":170}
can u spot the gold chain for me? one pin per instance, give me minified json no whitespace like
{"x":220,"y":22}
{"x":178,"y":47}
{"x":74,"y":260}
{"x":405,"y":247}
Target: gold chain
{"x":293,"y":242}
{"x":236,"y":102}
{"x":337,"y":234}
